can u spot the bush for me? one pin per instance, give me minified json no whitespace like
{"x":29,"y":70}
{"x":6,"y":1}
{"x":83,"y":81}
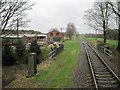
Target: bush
{"x":44,"y":53}
{"x":35,"y":48}
{"x":7,"y":56}
{"x":20,"y":49}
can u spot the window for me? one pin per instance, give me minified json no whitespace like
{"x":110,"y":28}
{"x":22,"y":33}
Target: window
{"x":28,"y":38}
{"x":51,"y":34}
{"x":57,"y":34}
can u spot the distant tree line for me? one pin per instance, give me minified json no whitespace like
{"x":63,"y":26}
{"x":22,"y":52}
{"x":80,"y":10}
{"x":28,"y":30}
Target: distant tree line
{"x":110,"y":34}
{"x":22,"y":32}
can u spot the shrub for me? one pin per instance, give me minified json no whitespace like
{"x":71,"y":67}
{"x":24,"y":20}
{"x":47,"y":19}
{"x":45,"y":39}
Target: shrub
{"x":7,"y":56}
{"x":20,"y":48}
{"x":35,"y":48}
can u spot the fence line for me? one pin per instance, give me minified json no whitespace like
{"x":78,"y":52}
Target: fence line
{"x":108,"y":52}
{"x":51,"y":54}
{"x":104,"y":50}
{"x":55,"y":51}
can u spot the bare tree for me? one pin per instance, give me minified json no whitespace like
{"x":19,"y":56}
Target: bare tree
{"x":116,"y":9}
{"x":77,"y":34}
{"x":70,"y":30}
{"x":98,"y":17}
{"x":11,"y":11}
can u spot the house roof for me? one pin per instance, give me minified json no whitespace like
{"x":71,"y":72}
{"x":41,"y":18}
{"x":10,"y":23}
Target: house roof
{"x":15,"y":36}
{"x":41,"y":35}
{"x":11,"y":36}
{"x":30,"y":35}
{"x":54,"y":29}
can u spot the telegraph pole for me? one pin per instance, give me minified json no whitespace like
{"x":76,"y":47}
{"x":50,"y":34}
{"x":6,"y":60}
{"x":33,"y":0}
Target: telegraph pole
{"x":61,"y":29}
{"x":17,"y":39}
{"x":17,"y":28}
{"x":96,"y":34}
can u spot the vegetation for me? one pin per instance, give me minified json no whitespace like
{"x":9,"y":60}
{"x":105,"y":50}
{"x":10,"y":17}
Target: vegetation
{"x":11,"y":11}
{"x":71,"y":30}
{"x":19,"y":53}
{"x":116,"y":9}
{"x":59,"y":73}
{"x":6,"y":31}
{"x":19,"y":48}
{"x":111,"y":43}
{"x":7,"y":56}
{"x":35,"y":48}
{"x":45,"y":50}
{"x":110,"y":34}
{"x":98,"y":17}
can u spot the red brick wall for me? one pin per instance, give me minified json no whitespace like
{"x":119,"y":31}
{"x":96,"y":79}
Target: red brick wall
{"x":54,"y":34}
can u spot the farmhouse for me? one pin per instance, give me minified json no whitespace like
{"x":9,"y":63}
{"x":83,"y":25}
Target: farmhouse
{"x":55,"y":36}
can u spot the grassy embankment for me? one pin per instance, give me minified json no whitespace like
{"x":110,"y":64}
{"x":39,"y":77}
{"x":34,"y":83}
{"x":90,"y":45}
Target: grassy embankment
{"x":59,"y":73}
{"x":111,"y":43}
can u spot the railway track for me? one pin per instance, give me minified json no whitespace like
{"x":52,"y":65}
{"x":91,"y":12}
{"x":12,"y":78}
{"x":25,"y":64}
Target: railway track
{"x":103,"y":76}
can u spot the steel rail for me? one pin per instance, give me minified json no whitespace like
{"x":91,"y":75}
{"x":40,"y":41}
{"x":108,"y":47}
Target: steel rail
{"x":91,"y":68}
{"x":110,"y":69}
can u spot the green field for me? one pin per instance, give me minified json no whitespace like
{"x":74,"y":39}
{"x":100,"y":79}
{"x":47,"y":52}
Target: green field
{"x":111,"y":43}
{"x":59,"y":73}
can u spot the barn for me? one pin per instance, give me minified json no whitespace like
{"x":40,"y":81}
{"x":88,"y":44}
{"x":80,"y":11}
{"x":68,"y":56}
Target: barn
{"x":55,"y":36}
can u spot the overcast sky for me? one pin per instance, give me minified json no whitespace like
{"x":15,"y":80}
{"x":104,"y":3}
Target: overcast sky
{"x":47,"y":14}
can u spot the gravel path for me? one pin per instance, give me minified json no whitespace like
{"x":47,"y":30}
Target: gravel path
{"x":112,"y":61}
{"x":82,"y":76}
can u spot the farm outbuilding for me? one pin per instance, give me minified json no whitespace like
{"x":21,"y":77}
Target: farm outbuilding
{"x":55,"y":36}
{"x":41,"y":39}
{"x":12,"y":39}
{"x":29,"y":38}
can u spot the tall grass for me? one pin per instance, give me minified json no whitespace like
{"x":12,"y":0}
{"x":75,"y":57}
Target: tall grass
{"x":59,"y":73}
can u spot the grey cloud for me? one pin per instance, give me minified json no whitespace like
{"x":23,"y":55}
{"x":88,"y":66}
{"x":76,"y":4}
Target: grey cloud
{"x":45,"y":15}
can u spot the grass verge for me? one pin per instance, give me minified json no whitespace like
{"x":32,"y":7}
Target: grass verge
{"x":59,"y":73}
{"x":110,"y":43}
